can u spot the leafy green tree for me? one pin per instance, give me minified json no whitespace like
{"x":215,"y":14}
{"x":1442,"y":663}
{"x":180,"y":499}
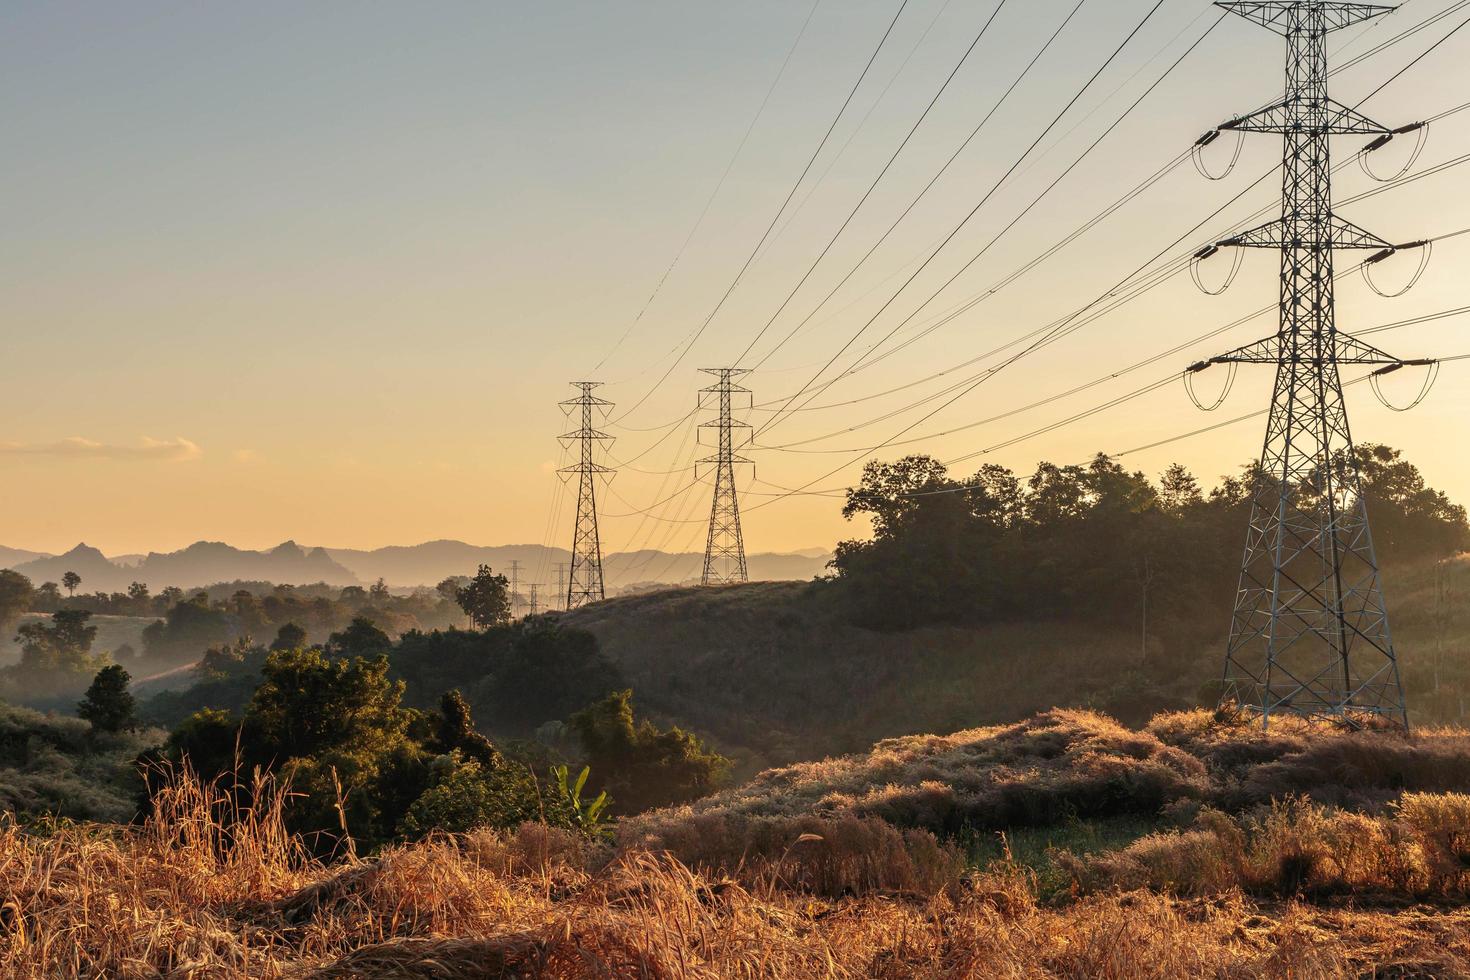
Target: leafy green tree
{"x":108,"y":704}
{"x":465,"y":796}
{"x":449,"y":588}
{"x":1179,"y":490}
{"x":486,"y":599}
{"x":457,"y":733}
{"x":55,"y":657}
{"x":307,"y":704}
{"x":15,"y":596}
{"x":66,"y":639}
{"x":359,"y":639}
{"x":140,"y":598}
{"x":188,"y":628}
{"x":545,"y":674}
{"x":71,"y":580}
{"x":640,"y":766}
{"x":289,"y":637}
{"x":48,"y":597}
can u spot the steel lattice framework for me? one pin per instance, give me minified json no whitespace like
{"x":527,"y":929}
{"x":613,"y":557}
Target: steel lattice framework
{"x":724,"y":550}
{"x":584,"y":578}
{"x":1310,"y":632}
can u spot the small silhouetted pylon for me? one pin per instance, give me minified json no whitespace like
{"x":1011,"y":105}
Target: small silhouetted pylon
{"x":1310,"y":634}
{"x":584,"y":578}
{"x":724,"y":550}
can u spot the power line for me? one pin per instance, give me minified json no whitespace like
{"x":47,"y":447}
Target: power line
{"x":979,"y":35}
{"x":975,"y":210}
{"x":1024,"y":212}
{"x":1005,"y":96}
{"x":775,"y":217}
{"x":719,"y":185}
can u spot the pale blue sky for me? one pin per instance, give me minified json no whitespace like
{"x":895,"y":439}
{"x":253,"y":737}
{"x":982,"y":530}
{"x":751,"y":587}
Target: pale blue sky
{"x":338,"y":260}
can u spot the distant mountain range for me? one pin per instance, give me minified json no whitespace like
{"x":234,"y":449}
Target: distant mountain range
{"x":208,"y":562}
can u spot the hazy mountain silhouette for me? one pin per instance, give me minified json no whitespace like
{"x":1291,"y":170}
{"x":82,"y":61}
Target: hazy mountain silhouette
{"x":403,"y":566}
{"x":94,"y":568}
{"x":10,"y":557}
{"x":202,"y":563}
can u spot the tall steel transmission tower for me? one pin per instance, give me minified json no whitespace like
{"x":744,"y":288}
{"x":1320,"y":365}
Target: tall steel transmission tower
{"x":724,"y":550}
{"x":1310,"y":633}
{"x":584,"y":578}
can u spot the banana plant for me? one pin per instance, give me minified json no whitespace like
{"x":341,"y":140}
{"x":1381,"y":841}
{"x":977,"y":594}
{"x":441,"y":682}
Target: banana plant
{"x":589,"y":816}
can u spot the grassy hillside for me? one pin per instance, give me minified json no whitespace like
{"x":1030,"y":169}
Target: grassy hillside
{"x":52,"y":765}
{"x":1166,"y":864}
{"x":776,"y":672}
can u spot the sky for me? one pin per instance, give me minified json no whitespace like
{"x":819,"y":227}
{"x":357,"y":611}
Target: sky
{"x":324,"y":271}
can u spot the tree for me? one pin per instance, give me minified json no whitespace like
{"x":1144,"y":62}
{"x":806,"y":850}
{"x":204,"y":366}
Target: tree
{"x":449,"y":588}
{"x":360,"y":638}
{"x":188,"y":629}
{"x":48,"y":596}
{"x":1178,"y":489}
{"x":486,"y":599}
{"x":71,"y":580}
{"x":289,"y":637}
{"x":379,"y":593}
{"x":55,"y":656}
{"x":67,"y":632}
{"x":307,"y":704}
{"x":15,"y":597}
{"x":638,"y":765}
{"x":108,"y":705}
{"x":457,"y":732}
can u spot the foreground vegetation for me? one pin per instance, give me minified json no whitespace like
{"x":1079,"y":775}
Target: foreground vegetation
{"x":827,"y":870}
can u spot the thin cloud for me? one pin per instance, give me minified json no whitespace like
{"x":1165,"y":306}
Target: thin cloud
{"x":155,"y":450}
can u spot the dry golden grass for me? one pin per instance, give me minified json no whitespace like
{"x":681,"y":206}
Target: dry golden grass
{"x":183,"y":896}
{"x":832,"y":869}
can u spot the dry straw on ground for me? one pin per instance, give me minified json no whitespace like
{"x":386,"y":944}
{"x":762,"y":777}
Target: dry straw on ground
{"x":1299,"y":891}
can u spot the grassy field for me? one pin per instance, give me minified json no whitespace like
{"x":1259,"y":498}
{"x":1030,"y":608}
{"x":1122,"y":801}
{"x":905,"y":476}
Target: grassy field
{"x":1086,"y":850}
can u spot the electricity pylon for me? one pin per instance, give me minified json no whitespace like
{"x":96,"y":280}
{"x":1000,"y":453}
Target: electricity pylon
{"x":724,"y":550}
{"x":584,"y":578}
{"x":1309,"y":634}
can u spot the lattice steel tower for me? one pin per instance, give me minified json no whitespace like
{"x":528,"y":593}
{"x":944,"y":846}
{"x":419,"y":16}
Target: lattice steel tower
{"x":1310,"y":631}
{"x":584,"y":578}
{"x":724,"y":550}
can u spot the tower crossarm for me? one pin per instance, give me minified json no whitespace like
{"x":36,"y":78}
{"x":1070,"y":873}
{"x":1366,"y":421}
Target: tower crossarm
{"x":1346,"y":349}
{"x":1284,"y":234}
{"x":585,"y":433}
{"x":1332,"y":118}
{"x":1276,"y":15}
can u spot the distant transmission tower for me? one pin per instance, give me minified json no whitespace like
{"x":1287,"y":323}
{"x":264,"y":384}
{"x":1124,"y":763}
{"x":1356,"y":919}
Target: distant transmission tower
{"x":724,"y":550}
{"x":1309,"y":635}
{"x":584,"y":579}
{"x":515,"y":587}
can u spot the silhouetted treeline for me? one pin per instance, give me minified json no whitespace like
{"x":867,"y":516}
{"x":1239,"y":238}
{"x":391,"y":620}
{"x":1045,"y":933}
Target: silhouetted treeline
{"x":1095,"y":542}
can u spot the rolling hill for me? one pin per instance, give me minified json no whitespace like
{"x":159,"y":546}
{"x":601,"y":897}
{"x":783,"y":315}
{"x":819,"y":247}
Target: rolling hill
{"x":776,"y":672}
